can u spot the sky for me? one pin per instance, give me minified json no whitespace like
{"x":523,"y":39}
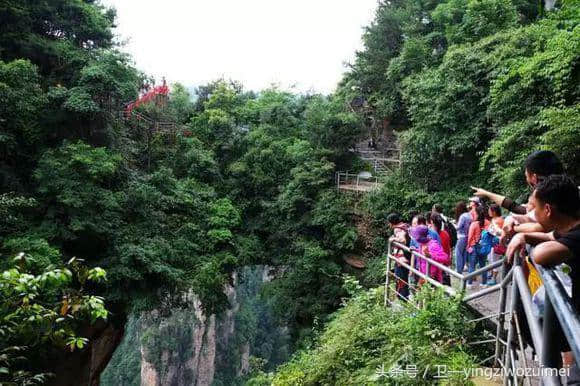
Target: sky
{"x":299,"y":44}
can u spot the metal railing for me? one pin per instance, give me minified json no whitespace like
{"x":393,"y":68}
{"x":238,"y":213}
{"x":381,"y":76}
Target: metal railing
{"x":382,"y":161}
{"x":560,"y":321}
{"x":463,"y":278}
{"x":154,"y":125}
{"x":353,"y":181}
{"x":388,"y":153}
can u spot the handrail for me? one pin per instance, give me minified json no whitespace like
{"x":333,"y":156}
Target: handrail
{"x":463,"y":278}
{"x":479,"y":271}
{"x":560,"y":316}
{"x":563,"y":308}
{"x":342,"y":178}
{"x":412,"y":268}
{"x":154,"y":125}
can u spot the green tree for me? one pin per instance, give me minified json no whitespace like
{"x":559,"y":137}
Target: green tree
{"x":44,"y":309}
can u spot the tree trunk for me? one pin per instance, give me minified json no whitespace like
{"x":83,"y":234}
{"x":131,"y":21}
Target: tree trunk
{"x":85,"y":367}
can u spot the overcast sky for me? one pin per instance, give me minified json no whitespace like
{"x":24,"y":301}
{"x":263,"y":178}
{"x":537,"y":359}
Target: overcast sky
{"x":258,"y":42}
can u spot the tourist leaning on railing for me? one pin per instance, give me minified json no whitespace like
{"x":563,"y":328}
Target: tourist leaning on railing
{"x":400,"y":235}
{"x":436,"y":224}
{"x":557,"y":209}
{"x":495,"y":228}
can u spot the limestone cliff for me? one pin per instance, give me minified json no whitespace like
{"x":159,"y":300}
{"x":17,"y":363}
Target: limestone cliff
{"x":186,"y":347}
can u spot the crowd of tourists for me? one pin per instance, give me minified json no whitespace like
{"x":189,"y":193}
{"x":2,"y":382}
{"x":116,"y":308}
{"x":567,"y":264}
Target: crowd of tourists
{"x":480,"y":234}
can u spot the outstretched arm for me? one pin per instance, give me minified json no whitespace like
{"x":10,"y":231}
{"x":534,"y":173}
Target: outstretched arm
{"x":482,"y":193}
{"x":500,"y":200}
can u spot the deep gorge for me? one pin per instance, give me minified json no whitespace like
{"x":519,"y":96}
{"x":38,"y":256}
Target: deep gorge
{"x":185,"y":347}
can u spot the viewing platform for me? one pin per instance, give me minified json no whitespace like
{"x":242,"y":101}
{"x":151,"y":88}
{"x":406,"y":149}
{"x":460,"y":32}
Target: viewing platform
{"x":362,"y":182}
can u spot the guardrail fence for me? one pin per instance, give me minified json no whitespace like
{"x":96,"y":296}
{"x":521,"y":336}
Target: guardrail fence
{"x":559,"y":325}
{"x":354,"y":182}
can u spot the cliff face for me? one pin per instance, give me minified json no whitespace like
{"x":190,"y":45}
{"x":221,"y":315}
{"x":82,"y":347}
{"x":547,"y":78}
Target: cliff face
{"x":190,"y":348}
{"x":192,"y":360}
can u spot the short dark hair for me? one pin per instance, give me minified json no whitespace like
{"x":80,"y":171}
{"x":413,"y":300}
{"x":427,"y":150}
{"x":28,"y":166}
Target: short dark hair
{"x":394,"y":218}
{"x":421,"y":220}
{"x":544,"y":163}
{"x":496,"y":209}
{"x":438,"y":208}
{"x":437,"y":221}
{"x":561,"y":192}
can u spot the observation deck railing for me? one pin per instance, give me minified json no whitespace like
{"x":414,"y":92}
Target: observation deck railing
{"x":560,"y":323}
{"x":355,"y":182}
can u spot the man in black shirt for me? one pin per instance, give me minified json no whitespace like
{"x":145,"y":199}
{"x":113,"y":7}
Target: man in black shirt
{"x":557,"y":203}
{"x":557,"y":208}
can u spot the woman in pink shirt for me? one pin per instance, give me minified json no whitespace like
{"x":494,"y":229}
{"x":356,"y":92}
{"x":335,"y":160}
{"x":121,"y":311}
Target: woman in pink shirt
{"x":431,"y":249}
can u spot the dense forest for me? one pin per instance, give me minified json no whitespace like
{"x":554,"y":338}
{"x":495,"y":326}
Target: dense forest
{"x":105,"y":220}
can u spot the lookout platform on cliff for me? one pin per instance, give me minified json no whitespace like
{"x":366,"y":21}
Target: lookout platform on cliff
{"x":357,"y":182}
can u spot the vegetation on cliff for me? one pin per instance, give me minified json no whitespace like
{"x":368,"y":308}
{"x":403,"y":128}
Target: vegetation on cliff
{"x":367,"y":343}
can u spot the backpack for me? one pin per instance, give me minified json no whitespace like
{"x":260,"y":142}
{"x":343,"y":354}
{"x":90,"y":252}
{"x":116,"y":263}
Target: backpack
{"x":486,"y":243}
{"x":451,"y":231}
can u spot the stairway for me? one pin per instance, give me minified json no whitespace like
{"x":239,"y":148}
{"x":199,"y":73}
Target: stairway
{"x":153,"y":125}
{"x":381,"y":151}
{"x":382,"y":161}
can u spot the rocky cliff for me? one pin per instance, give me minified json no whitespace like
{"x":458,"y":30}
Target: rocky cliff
{"x":186,"y":347}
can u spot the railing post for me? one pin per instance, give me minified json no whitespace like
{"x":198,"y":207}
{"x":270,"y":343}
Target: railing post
{"x":550,"y":356}
{"x":412,"y":264}
{"x":510,"y":337}
{"x":501,"y":314}
{"x":387,"y":276}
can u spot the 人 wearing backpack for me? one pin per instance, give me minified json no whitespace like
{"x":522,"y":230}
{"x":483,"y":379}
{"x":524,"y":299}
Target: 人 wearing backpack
{"x":477,"y":244}
{"x":447,"y":226}
{"x":486,"y":243}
